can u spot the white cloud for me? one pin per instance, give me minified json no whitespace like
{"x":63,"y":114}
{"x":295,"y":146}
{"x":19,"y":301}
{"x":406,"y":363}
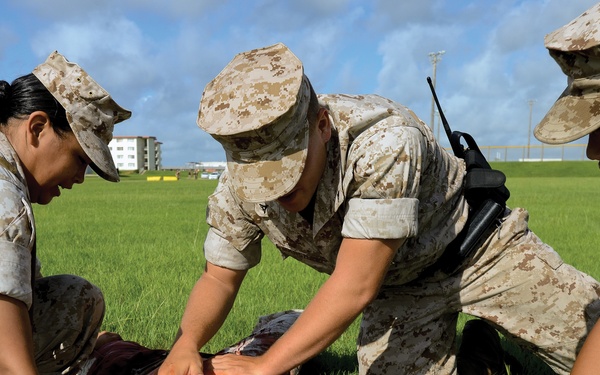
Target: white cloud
{"x":71,"y":10}
{"x":406,"y":63}
{"x":156,"y":56}
{"x":111,"y":49}
{"x":174,"y":9}
{"x":408,"y":12}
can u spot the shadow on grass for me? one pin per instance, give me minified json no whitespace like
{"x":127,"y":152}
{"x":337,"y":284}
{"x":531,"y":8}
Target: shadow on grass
{"x":330,"y":364}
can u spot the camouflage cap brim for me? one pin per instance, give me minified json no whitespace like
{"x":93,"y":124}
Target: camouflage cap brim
{"x":97,"y":150}
{"x":273,"y":177}
{"x":574,"y":115}
{"x":91,"y":111}
{"x":576,"y":49}
{"x":257,"y":107}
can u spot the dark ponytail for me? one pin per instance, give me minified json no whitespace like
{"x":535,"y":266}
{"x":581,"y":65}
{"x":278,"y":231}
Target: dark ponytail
{"x":26,"y":95}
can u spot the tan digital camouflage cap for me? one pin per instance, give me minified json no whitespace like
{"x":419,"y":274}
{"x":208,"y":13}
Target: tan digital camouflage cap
{"x":91,"y":111}
{"x":256,"y":108}
{"x":575,"y":47}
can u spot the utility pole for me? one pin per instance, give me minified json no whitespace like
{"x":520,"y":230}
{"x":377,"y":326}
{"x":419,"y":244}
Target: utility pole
{"x":530,"y":102}
{"x":434,"y":57}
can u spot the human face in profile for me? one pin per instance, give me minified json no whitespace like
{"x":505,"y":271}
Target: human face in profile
{"x":54,"y":161}
{"x":300,"y":196}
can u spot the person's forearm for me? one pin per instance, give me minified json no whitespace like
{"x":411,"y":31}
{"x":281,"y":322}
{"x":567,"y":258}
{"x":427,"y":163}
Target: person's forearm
{"x":208,"y":306}
{"x":209,"y":303}
{"x":16,"y":356}
{"x":361,"y":267}
{"x":588,"y":361}
{"x":328,"y":315}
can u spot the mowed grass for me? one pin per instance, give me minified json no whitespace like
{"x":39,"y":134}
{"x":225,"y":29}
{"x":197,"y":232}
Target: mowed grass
{"x":141,"y":242}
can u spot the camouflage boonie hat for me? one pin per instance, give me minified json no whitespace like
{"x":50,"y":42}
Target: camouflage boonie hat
{"x":257,"y":109}
{"x":91,"y":112}
{"x":576,"y":49}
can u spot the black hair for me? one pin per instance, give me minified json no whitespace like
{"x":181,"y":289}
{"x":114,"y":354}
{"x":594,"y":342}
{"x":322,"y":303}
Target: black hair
{"x":26,"y":95}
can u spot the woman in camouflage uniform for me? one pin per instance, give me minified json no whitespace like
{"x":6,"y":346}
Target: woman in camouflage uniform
{"x":54,"y":123}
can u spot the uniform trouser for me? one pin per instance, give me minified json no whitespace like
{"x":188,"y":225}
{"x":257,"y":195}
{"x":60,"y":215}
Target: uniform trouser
{"x":514,"y":281}
{"x":67,"y":314}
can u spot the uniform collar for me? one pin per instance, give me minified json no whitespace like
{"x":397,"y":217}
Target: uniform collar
{"x":327,"y":201}
{"x":10,"y":164}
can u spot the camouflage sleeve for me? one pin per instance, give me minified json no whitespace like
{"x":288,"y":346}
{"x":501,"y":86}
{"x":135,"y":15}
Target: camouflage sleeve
{"x":16,"y":242}
{"x":233,"y":240}
{"x":385,"y":167}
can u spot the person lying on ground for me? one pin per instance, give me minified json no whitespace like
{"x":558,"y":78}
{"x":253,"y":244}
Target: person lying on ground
{"x":114,"y":356}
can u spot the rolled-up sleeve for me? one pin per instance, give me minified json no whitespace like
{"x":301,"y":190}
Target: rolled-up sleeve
{"x":233,"y":241}
{"x":220,"y":252}
{"x":385,"y":165}
{"x":381,"y":218}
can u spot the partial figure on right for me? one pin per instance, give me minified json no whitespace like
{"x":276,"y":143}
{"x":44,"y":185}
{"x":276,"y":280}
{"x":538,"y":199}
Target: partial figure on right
{"x":575,"y":114}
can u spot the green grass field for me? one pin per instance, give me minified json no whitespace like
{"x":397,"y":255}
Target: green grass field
{"x":141,"y":242}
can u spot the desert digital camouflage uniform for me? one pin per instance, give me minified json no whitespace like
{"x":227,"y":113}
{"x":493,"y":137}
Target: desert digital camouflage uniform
{"x":576,"y":49}
{"x":386,"y":178}
{"x":67,"y":310}
{"x":515,"y":281}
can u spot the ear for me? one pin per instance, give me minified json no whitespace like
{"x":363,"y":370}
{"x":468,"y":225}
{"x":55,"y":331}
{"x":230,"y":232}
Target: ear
{"x":324,"y":125}
{"x":38,"y":125}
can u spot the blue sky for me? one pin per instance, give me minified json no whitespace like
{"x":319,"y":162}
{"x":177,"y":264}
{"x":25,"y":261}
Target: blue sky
{"x":156,"y":56}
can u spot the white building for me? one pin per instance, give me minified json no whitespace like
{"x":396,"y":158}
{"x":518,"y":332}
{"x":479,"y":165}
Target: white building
{"x":136,"y":153}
